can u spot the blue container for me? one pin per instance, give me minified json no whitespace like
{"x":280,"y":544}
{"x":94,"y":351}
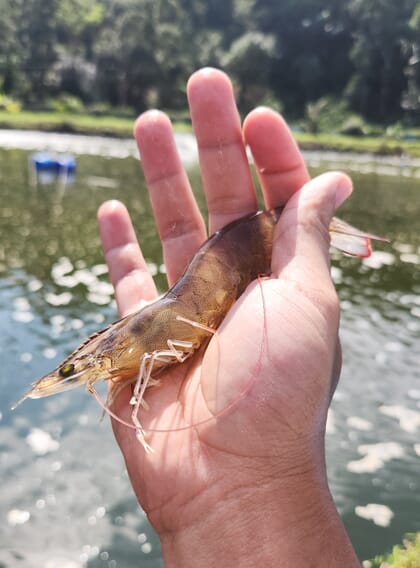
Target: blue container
{"x":66,"y":164}
{"x":44,"y":162}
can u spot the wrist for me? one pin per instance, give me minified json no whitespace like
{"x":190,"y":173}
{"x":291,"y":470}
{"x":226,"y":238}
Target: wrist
{"x":283,"y":521}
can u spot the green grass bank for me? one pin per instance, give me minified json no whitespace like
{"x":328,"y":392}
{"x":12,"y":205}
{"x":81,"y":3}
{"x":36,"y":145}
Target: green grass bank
{"x":123,"y":128}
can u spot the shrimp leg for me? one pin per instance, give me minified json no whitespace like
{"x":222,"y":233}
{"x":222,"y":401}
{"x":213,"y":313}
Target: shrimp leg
{"x":178,"y":351}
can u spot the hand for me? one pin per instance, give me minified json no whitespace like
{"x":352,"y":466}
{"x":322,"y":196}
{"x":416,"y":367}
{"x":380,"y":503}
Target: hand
{"x":259,"y":466}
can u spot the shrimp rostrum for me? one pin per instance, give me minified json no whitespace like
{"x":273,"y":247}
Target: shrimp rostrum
{"x":136,"y":348}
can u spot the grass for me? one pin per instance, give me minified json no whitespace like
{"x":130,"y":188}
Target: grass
{"x":123,"y":127}
{"x":404,"y":556}
{"x":372,"y":144}
{"x":72,"y":123}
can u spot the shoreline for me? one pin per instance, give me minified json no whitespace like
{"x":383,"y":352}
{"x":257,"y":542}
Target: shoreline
{"x":121,"y":128}
{"x":79,"y":144}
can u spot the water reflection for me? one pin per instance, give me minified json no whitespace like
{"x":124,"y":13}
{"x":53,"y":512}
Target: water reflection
{"x":64,"y":488}
{"x":375,"y":469}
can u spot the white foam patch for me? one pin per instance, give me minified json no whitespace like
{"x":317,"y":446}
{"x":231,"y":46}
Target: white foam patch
{"x":26,"y":357}
{"x":146,"y":548}
{"x":394,"y":346}
{"x":49,"y":352}
{"x":375,"y":456}
{"x":17,"y":517}
{"x":379,"y":258}
{"x":414,"y":393}
{"x":381,"y":515}
{"x":410,"y":258}
{"x":336,"y":274}
{"x":58,"y":299}
{"x":65,"y":274}
{"x":41,"y":442}
{"x":23,"y":317}
{"x":21,"y":304}
{"x":61,"y":267}
{"x":409,"y":419}
{"x":330,"y":428}
{"x":99,"y":269}
{"x":359,"y":423}
{"x":99,"y":299}
{"x":34,"y":285}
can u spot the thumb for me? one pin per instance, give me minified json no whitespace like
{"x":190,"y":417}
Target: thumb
{"x":301,"y":239}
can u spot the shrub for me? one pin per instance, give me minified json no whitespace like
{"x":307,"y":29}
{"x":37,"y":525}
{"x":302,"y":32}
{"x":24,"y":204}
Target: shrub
{"x":65,"y":103}
{"x":406,"y":556}
{"x":9,"y":105}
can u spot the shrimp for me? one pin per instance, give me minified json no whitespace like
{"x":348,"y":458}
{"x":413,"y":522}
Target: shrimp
{"x":136,"y":348}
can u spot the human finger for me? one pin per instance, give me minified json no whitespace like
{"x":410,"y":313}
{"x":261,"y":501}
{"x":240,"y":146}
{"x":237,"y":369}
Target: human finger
{"x":180,"y":225}
{"x":127,"y":268}
{"x":225,"y":171}
{"x":278,"y":160}
{"x":301,"y":238}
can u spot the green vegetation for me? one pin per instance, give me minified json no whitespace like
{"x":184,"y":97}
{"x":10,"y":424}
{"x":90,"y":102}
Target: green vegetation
{"x":375,"y":145}
{"x":333,"y":68}
{"x":406,"y":556}
{"x":67,"y":122}
{"x":108,"y":125}
{"x":137,"y":54}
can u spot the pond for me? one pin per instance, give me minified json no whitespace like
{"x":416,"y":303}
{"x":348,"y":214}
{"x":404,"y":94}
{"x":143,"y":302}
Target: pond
{"x":65,"y":495}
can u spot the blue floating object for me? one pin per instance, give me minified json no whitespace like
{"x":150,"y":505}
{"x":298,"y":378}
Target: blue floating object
{"x":66,"y":164}
{"x":44,"y":162}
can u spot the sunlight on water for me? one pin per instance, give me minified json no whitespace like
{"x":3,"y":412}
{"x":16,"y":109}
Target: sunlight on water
{"x":381,"y":515}
{"x":41,"y":442}
{"x":409,"y":420}
{"x":375,"y":456}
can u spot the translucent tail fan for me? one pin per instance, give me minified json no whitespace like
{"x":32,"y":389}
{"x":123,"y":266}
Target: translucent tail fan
{"x":351,"y":240}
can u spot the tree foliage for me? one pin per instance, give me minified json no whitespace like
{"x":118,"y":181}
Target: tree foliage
{"x":139,"y":53}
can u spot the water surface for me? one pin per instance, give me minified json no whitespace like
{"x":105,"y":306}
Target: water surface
{"x":65,"y":497}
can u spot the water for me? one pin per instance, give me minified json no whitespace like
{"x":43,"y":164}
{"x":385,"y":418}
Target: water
{"x":65,"y":497}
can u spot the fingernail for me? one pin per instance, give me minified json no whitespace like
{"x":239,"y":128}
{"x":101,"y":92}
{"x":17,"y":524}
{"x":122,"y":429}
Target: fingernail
{"x":343,"y":189}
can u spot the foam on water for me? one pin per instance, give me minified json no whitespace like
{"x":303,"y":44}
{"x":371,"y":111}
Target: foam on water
{"x":381,"y":515}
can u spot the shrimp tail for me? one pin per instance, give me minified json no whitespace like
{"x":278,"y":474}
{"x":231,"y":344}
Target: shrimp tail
{"x":350,"y":240}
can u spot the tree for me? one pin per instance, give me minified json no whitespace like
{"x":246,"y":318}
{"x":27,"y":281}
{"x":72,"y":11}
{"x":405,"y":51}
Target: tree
{"x":411,"y":96}
{"x":381,"y":30}
{"x":37,"y":33}
{"x":9,"y":50}
{"x":312,"y":44}
{"x":251,"y":55}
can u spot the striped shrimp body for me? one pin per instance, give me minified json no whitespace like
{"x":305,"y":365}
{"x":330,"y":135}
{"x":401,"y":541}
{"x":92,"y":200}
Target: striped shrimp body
{"x":168,"y":331}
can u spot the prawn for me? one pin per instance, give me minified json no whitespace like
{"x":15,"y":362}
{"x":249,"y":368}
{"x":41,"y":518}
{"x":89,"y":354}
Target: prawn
{"x":168,"y":331}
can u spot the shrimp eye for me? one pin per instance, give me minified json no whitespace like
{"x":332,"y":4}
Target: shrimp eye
{"x":67,"y":370}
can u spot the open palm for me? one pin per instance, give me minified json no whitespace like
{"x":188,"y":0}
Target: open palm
{"x":276,"y":355}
